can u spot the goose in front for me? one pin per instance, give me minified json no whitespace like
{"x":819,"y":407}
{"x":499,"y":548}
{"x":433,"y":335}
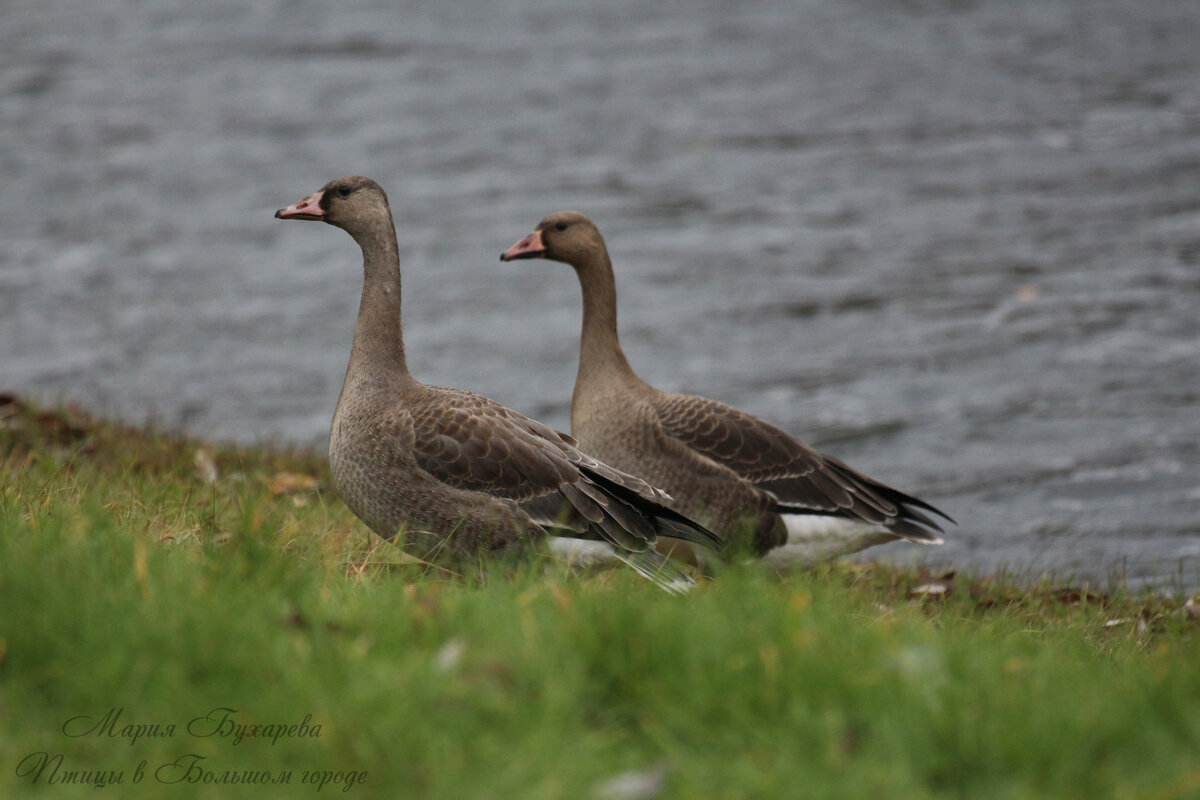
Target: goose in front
{"x":750,"y":481}
{"x":451,"y":469}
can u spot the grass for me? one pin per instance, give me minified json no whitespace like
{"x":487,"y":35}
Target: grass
{"x":149,"y":582}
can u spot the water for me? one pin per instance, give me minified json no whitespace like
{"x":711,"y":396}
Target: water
{"x":955,"y":243}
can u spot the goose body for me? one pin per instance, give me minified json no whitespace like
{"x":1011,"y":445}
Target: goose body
{"x":739,"y":475}
{"x":454,"y":470}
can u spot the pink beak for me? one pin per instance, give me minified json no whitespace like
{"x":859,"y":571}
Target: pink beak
{"x":308,"y":208}
{"x":529,"y":247}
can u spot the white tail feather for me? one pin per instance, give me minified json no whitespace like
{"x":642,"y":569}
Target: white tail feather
{"x":650,"y":564}
{"x":814,"y":538}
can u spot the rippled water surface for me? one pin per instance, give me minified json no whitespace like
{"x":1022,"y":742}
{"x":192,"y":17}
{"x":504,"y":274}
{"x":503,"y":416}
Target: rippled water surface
{"x":955,"y":243}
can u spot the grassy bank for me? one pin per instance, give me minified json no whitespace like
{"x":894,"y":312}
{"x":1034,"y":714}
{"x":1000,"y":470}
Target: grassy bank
{"x":179,"y":618}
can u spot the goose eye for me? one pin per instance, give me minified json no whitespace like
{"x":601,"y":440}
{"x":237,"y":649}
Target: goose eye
{"x":562,"y":226}
{"x":344,"y":190}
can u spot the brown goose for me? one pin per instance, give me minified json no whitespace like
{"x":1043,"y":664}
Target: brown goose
{"x":742,"y":477}
{"x":451,"y":468}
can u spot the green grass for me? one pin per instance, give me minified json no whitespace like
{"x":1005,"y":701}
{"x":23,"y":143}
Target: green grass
{"x":130,"y":580}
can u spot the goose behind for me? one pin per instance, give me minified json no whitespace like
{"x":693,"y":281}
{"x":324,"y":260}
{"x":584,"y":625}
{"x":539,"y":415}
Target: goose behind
{"x":741,"y":476}
{"x":452,"y":469}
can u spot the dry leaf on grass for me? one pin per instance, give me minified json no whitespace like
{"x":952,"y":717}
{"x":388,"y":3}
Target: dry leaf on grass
{"x":291,"y":483}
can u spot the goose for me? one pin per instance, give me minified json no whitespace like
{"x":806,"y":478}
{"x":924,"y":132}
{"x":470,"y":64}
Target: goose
{"x":753,"y":483}
{"x":456,"y":471}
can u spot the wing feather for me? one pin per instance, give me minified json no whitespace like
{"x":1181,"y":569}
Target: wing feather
{"x":473,"y":443}
{"x":803,"y":480}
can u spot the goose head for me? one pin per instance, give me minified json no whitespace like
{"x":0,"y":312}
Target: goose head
{"x":355,"y":204}
{"x":566,"y":236}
